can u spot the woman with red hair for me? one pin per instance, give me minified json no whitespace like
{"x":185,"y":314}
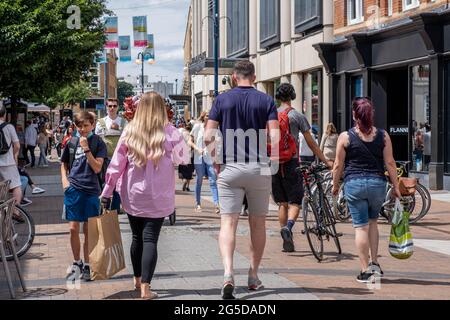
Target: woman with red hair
{"x":362,"y":154}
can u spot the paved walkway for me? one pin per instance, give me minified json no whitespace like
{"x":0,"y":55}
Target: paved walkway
{"x":190,"y":267}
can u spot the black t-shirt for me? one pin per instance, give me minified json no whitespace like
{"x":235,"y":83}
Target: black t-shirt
{"x":81,"y":175}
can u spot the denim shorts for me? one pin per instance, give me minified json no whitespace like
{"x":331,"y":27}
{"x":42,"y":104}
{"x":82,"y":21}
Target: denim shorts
{"x":80,"y":206}
{"x":365,"y":198}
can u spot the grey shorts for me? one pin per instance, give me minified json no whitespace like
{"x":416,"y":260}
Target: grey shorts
{"x":238,"y":180}
{"x":10,"y":173}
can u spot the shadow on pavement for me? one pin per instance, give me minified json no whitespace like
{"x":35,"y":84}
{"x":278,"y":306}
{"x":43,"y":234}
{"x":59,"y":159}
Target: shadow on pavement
{"x":40,"y":293}
{"x":415,"y":282}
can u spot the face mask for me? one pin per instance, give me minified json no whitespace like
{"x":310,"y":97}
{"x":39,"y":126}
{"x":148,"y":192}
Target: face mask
{"x":77,"y":134}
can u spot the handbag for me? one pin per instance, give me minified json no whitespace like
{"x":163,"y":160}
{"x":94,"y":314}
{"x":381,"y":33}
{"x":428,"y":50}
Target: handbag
{"x":106,"y":255}
{"x":400,"y":239}
{"x":407,"y":186}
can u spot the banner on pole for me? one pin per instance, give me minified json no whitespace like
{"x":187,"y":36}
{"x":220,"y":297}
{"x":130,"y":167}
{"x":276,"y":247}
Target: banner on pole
{"x":100,"y":57}
{"x":125,"y":48}
{"x":140,"y":31}
{"x":149,"y":52}
{"x":112,"y":32}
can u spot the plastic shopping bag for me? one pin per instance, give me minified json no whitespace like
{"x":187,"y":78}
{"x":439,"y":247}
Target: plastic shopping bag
{"x":106,"y":253}
{"x":400,"y":240}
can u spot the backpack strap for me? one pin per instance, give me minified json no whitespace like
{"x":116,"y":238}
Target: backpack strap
{"x":93,"y":145}
{"x":3,"y":125}
{"x":102,"y":123}
{"x":72,"y":145}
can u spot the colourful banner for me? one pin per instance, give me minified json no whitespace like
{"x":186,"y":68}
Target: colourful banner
{"x":101,"y":57}
{"x":149,"y":52}
{"x":140,"y":31}
{"x":112,"y":35}
{"x":125,"y":48}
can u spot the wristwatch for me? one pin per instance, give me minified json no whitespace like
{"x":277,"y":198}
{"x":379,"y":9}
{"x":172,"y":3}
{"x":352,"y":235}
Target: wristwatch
{"x":87,"y":151}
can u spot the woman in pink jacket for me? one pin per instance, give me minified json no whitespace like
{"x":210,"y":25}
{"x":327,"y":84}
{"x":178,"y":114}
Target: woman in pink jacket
{"x":142,"y":168}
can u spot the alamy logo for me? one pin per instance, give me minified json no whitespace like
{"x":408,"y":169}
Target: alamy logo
{"x":74,"y":21}
{"x":73,"y":281}
{"x":116,"y":257}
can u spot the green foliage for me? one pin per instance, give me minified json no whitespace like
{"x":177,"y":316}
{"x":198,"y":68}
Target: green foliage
{"x":39,"y":54}
{"x":124,"y":90}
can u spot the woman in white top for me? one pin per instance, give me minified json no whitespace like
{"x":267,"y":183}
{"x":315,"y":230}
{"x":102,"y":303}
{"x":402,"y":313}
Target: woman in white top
{"x":329,"y":142}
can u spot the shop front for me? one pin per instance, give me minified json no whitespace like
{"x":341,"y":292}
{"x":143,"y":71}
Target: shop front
{"x":404,"y":69}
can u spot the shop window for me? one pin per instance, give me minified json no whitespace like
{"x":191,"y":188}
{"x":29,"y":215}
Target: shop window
{"x":447,"y":120}
{"x":312,"y":100}
{"x":421,"y":124}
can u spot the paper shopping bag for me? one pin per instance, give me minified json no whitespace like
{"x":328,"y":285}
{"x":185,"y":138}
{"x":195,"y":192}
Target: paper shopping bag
{"x":106,"y":255}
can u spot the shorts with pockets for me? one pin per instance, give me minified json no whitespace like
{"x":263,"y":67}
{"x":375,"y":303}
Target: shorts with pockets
{"x":80,"y":206}
{"x":287,"y":184}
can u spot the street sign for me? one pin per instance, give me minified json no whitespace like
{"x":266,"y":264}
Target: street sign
{"x":99,"y":107}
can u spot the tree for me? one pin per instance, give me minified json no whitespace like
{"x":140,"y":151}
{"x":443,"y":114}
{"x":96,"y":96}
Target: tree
{"x":39,"y":53}
{"x":124,"y":90}
{"x":74,"y":93}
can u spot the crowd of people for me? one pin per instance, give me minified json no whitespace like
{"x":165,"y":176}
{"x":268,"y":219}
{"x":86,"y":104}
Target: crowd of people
{"x":247,"y":146}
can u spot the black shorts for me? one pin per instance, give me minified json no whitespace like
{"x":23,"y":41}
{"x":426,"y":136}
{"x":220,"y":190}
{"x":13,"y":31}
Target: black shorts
{"x":287,"y":184}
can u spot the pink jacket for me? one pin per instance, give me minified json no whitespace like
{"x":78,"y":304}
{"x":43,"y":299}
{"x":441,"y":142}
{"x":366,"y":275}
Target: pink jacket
{"x":147,"y":192}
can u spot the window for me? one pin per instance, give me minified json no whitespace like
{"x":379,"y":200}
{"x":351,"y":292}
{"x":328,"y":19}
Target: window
{"x":269,"y":22}
{"x":421,"y":124}
{"x":308,"y":15}
{"x":410,"y":4}
{"x":312,"y":107}
{"x":390,"y":8}
{"x":355,"y":11}
{"x":447,"y":119}
{"x":237,"y":42}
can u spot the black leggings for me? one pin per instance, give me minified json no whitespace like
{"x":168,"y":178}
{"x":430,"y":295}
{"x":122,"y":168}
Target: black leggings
{"x":144,"y":251}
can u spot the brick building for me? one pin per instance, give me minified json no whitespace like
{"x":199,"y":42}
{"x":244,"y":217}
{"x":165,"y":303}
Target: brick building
{"x":398,"y":53}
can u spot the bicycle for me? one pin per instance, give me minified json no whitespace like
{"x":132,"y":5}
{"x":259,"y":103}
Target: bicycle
{"x":319,"y":222}
{"x":23,"y":226}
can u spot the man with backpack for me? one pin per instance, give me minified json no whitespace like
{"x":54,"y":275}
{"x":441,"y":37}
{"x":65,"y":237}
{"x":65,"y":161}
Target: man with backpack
{"x":287,"y":183}
{"x":9,"y":153}
{"x":110,"y":129}
{"x":81,"y":163}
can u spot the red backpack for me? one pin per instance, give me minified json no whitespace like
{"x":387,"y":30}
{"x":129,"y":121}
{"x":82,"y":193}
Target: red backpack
{"x":287,"y":146}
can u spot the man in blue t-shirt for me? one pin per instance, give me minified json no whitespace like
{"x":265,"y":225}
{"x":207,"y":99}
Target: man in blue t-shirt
{"x":243,"y":115}
{"x":81,"y":162}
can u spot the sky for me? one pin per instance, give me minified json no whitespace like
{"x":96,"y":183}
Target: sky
{"x":166,"y":19}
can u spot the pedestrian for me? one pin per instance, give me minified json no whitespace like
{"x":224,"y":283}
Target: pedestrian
{"x":287,"y":182}
{"x":110,"y":128}
{"x":43,"y":146}
{"x":142,"y":168}
{"x":329,"y":142}
{"x":31,"y":137}
{"x":203,"y":164}
{"x":306,"y":153}
{"x":58,"y":138}
{"x":427,"y":147}
{"x":9,"y":153}
{"x":67,"y":137}
{"x":26,"y":180}
{"x":362,"y":153}
{"x":49,"y":131}
{"x":81,"y":162}
{"x":244,"y":170}
{"x":185,"y":172}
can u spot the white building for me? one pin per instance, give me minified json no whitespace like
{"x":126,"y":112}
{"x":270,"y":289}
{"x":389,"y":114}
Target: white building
{"x":277,"y":36}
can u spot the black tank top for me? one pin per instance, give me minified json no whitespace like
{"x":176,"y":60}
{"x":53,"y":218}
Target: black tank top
{"x":360,"y":164}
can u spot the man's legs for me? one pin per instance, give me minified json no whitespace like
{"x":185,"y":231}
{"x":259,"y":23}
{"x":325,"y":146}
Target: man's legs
{"x":258,"y":242}
{"x":33,"y":157}
{"x":86,"y":242}
{"x":227,"y":241}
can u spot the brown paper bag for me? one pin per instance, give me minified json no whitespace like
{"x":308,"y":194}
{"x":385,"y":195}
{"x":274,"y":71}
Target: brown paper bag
{"x":106,"y":255}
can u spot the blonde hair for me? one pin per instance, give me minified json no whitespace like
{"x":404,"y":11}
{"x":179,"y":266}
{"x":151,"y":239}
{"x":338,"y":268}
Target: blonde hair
{"x":331,"y":129}
{"x":145,"y":135}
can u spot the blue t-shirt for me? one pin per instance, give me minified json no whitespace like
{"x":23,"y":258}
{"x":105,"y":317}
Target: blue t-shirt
{"x":81,"y":175}
{"x":243,"y":113}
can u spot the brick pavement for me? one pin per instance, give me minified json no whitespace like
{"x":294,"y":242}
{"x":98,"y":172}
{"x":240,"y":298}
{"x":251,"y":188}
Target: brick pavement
{"x":190,"y":268}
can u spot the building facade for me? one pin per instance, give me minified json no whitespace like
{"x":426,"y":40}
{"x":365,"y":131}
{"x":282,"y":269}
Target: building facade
{"x":277,"y":36}
{"x":398,"y":53}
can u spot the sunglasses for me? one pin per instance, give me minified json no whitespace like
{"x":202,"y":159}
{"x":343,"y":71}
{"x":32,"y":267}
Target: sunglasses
{"x":113,"y":106}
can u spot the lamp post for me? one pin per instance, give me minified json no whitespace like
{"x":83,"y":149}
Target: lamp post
{"x":176,"y":86}
{"x":216,"y":47}
{"x":141,"y":60}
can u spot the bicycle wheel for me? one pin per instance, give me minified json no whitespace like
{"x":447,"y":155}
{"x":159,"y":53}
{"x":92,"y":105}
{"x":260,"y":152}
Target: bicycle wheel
{"x":331,"y":225}
{"x":415,"y":205}
{"x":24,"y":231}
{"x":342,"y":213}
{"x":313,"y":233}
{"x":427,"y":199}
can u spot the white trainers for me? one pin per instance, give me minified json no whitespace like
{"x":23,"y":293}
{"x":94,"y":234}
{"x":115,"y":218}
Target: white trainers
{"x":38,"y":190}
{"x":25,"y":202}
{"x":198,"y":209}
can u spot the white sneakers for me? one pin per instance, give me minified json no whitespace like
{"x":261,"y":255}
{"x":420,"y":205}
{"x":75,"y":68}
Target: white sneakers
{"x":38,"y":190}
